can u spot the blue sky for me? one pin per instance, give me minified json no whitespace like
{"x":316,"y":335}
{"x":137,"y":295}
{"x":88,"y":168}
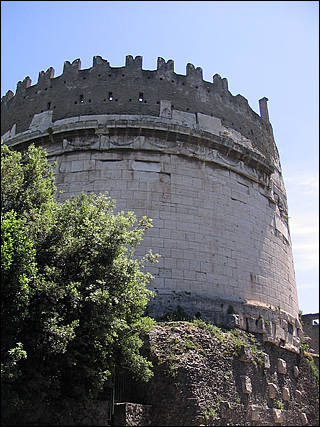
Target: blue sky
{"x":263,"y":48}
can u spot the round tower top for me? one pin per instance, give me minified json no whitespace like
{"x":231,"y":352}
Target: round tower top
{"x":103,"y":89}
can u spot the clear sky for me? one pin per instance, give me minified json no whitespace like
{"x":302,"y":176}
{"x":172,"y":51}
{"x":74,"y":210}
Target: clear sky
{"x":263,"y":48}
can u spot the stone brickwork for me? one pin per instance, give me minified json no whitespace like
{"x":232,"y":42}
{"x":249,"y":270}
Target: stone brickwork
{"x":192,"y":157}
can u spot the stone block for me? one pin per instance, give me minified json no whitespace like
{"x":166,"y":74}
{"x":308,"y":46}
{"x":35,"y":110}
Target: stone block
{"x":296,"y":371}
{"x":277,"y":416}
{"x":267,"y":361}
{"x":77,"y":166}
{"x":246,"y":384}
{"x":298,"y":395}
{"x":254,"y":412}
{"x":303,"y":418}
{"x":245,"y":354}
{"x":286,"y":394}
{"x":225,"y":410}
{"x":272,"y":390}
{"x":282,"y":366}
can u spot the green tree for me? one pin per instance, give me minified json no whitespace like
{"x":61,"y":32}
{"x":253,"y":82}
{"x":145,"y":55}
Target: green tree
{"x":73,"y":293}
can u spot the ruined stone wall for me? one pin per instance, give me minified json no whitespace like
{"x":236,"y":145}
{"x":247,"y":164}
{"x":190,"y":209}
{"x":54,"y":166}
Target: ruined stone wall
{"x":95,"y":413}
{"x":203,"y":378}
{"x":215,"y":191}
{"x":310,"y":324}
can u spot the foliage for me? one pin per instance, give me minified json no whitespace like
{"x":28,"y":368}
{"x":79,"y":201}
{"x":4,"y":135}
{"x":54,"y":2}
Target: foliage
{"x":310,"y":360}
{"x":73,"y":293}
{"x":209,"y":413}
{"x":280,"y":404}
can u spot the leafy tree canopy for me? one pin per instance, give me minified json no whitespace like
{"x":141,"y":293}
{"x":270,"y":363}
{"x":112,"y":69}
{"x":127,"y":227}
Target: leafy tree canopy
{"x":72,"y":292}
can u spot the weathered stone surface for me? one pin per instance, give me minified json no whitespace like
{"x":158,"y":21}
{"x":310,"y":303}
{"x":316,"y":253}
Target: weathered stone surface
{"x":304,"y":419}
{"x":298,"y":395}
{"x":272,"y":390}
{"x":286,"y":394}
{"x":245,"y":354}
{"x":266,"y":361}
{"x":277,"y":416}
{"x":246,"y":384}
{"x":225,"y":410}
{"x":296,"y":371}
{"x":282,"y":366}
{"x":254,"y":413}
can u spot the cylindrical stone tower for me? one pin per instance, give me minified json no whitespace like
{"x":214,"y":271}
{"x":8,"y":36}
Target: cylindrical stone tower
{"x":191,"y":156}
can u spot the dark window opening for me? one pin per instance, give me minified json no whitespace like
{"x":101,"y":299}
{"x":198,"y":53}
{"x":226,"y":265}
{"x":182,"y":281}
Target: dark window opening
{"x":160,"y":78}
{"x":89,"y":100}
{"x":290,"y":328}
{"x":315,"y":322}
{"x":75,"y":102}
{"x":48,"y":105}
{"x":140,"y":97}
{"x":130,"y":100}
{"x":110,"y":96}
{"x":81,"y":98}
{"x":116,"y":100}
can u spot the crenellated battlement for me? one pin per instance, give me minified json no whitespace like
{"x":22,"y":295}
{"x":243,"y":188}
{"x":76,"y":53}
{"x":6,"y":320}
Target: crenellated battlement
{"x":103,"y":89}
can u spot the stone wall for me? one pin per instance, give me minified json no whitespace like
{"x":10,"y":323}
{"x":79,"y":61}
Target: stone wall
{"x":103,"y":89}
{"x":215,"y":192}
{"x":200,"y":379}
{"x":131,"y":414}
{"x":310,"y":323}
{"x":96,"y":413}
